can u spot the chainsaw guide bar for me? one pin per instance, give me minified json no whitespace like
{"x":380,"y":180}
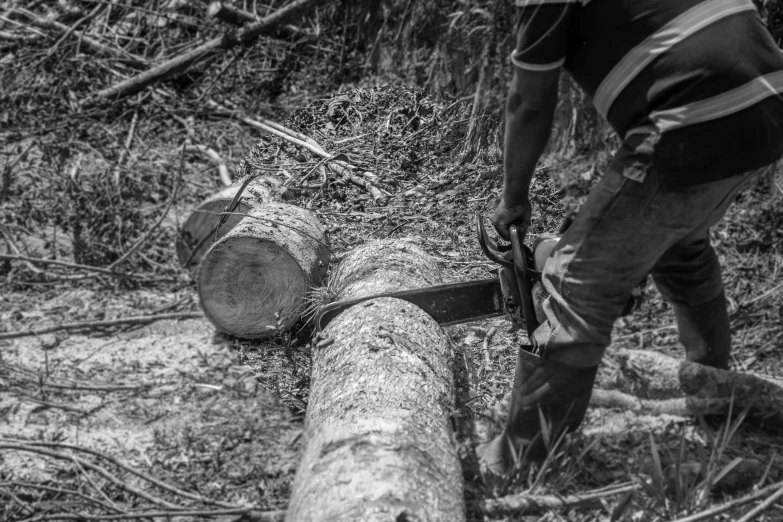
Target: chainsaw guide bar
{"x":447,"y":304}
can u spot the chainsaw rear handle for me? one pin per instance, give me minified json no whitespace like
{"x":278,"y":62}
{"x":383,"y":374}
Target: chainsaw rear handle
{"x":521,"y":272}
{"x":489,"y":246}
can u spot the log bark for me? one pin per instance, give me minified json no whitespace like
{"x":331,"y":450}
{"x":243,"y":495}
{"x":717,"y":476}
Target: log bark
{"x":378,"y":436}
{"x":651,"y":382}
{"x":181,"y":63}
{"x":252,"y":281}
{"x":202,"y":221}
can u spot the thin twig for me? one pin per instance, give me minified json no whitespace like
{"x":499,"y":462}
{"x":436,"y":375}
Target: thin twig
{"x":711,"y":514}
{"x":488,"y":339}
{"x":122,"y":465}
{"x":88,"y":268}
{"x":88,"y":42}
{"x":753,"y":513}
{"x":141,"y":319}
{"x":229,"y":208}
{"x":274,"y":222}
{"x":249,"y":514}
{"x":53,"y":405}
{"x":126,"y":149}
{"x":94,"y":467}
{"x":157,"y":223}
{"x":335,"y":162}
{"x":51,"y":489}
{"x":225,"y":177}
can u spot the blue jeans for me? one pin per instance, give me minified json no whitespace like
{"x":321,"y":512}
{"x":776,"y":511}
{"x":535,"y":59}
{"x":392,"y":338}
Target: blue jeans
{"x":625,"y":230}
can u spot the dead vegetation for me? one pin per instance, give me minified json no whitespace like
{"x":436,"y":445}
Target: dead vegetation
{"x":93,"y":193}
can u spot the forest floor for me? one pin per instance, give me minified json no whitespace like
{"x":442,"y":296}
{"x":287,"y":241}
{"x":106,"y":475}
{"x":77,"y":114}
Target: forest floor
{"x":170,"y":417}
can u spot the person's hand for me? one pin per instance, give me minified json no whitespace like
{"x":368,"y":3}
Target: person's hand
{"x":506,"y":215}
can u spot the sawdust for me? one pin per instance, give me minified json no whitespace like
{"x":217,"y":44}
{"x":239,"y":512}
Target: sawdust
{"x":163,"y":399}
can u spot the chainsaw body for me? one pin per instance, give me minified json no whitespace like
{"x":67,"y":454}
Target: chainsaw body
{"x":517,"y":292}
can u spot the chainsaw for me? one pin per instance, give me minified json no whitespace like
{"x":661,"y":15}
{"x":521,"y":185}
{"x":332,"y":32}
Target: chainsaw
{"x":517,"y":292}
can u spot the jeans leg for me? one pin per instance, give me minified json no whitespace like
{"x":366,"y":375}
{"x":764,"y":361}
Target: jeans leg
{"x":619,"y":235}
{"x":688,"y":275}
{"x":609,"y":248}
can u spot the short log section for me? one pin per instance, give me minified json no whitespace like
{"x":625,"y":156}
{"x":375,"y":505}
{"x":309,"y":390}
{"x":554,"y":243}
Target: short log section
{"x":379,"y":442}
{"x":198,"y":232}
{"x":252,"y":281}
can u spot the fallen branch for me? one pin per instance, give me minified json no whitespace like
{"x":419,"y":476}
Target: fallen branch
{"x":274,"y":128}
{"x":225,"y":177}
{"x":235,"y":16}
{"x":181,"y":63}
{"x":654,"y":383}
{"x":141,"y":319}
{"x":535,"y":504}
{"x":89,"y":43}
{"x":335,"y":162}
{"x":682,"y":407}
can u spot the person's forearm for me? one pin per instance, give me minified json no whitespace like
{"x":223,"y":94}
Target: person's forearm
{"x":527,"y":133}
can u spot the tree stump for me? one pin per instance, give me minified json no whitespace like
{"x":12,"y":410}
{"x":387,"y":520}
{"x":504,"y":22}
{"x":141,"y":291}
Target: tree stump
{"x":201,"y":222}
{"x":378,"y":436}
{"x":252,"y":281}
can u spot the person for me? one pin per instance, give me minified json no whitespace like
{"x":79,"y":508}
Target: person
{"x":693,"y":89}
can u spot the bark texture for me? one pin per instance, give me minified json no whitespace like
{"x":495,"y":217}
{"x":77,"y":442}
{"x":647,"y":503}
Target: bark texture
{"x":202,"y":221}
{"x":378,"y":436}
{"x":252,"y":282}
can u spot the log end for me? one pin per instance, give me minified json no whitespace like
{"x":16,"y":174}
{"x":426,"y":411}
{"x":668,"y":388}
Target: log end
{"x":251,"y":288}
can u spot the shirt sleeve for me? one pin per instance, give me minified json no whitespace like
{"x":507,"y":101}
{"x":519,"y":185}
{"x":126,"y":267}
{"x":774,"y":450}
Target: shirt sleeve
{"x":542,"y":37}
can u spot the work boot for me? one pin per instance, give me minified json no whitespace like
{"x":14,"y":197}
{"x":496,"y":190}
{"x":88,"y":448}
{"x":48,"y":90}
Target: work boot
{"x":560,"y":392}
{"x":705,"y":332}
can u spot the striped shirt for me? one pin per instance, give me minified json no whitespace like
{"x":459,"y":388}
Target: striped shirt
{"x":699,"y":82}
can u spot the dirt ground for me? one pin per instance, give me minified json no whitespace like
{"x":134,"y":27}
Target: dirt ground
{"x":167,"y":398}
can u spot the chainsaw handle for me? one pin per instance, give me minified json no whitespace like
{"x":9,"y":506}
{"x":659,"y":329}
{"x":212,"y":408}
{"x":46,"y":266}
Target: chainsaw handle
{"x":521,"y":272}
{"x":488,"y":245}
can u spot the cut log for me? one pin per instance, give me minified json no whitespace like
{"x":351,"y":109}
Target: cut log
{"x":200,"y":225}
{"x":252,"y":281}
{"x":378,"y":436}
{"x":651,"y":382}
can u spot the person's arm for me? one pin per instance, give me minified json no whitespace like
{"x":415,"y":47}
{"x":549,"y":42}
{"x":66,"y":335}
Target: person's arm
{"x":530,"y":109}
{"x":530,"y":106}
